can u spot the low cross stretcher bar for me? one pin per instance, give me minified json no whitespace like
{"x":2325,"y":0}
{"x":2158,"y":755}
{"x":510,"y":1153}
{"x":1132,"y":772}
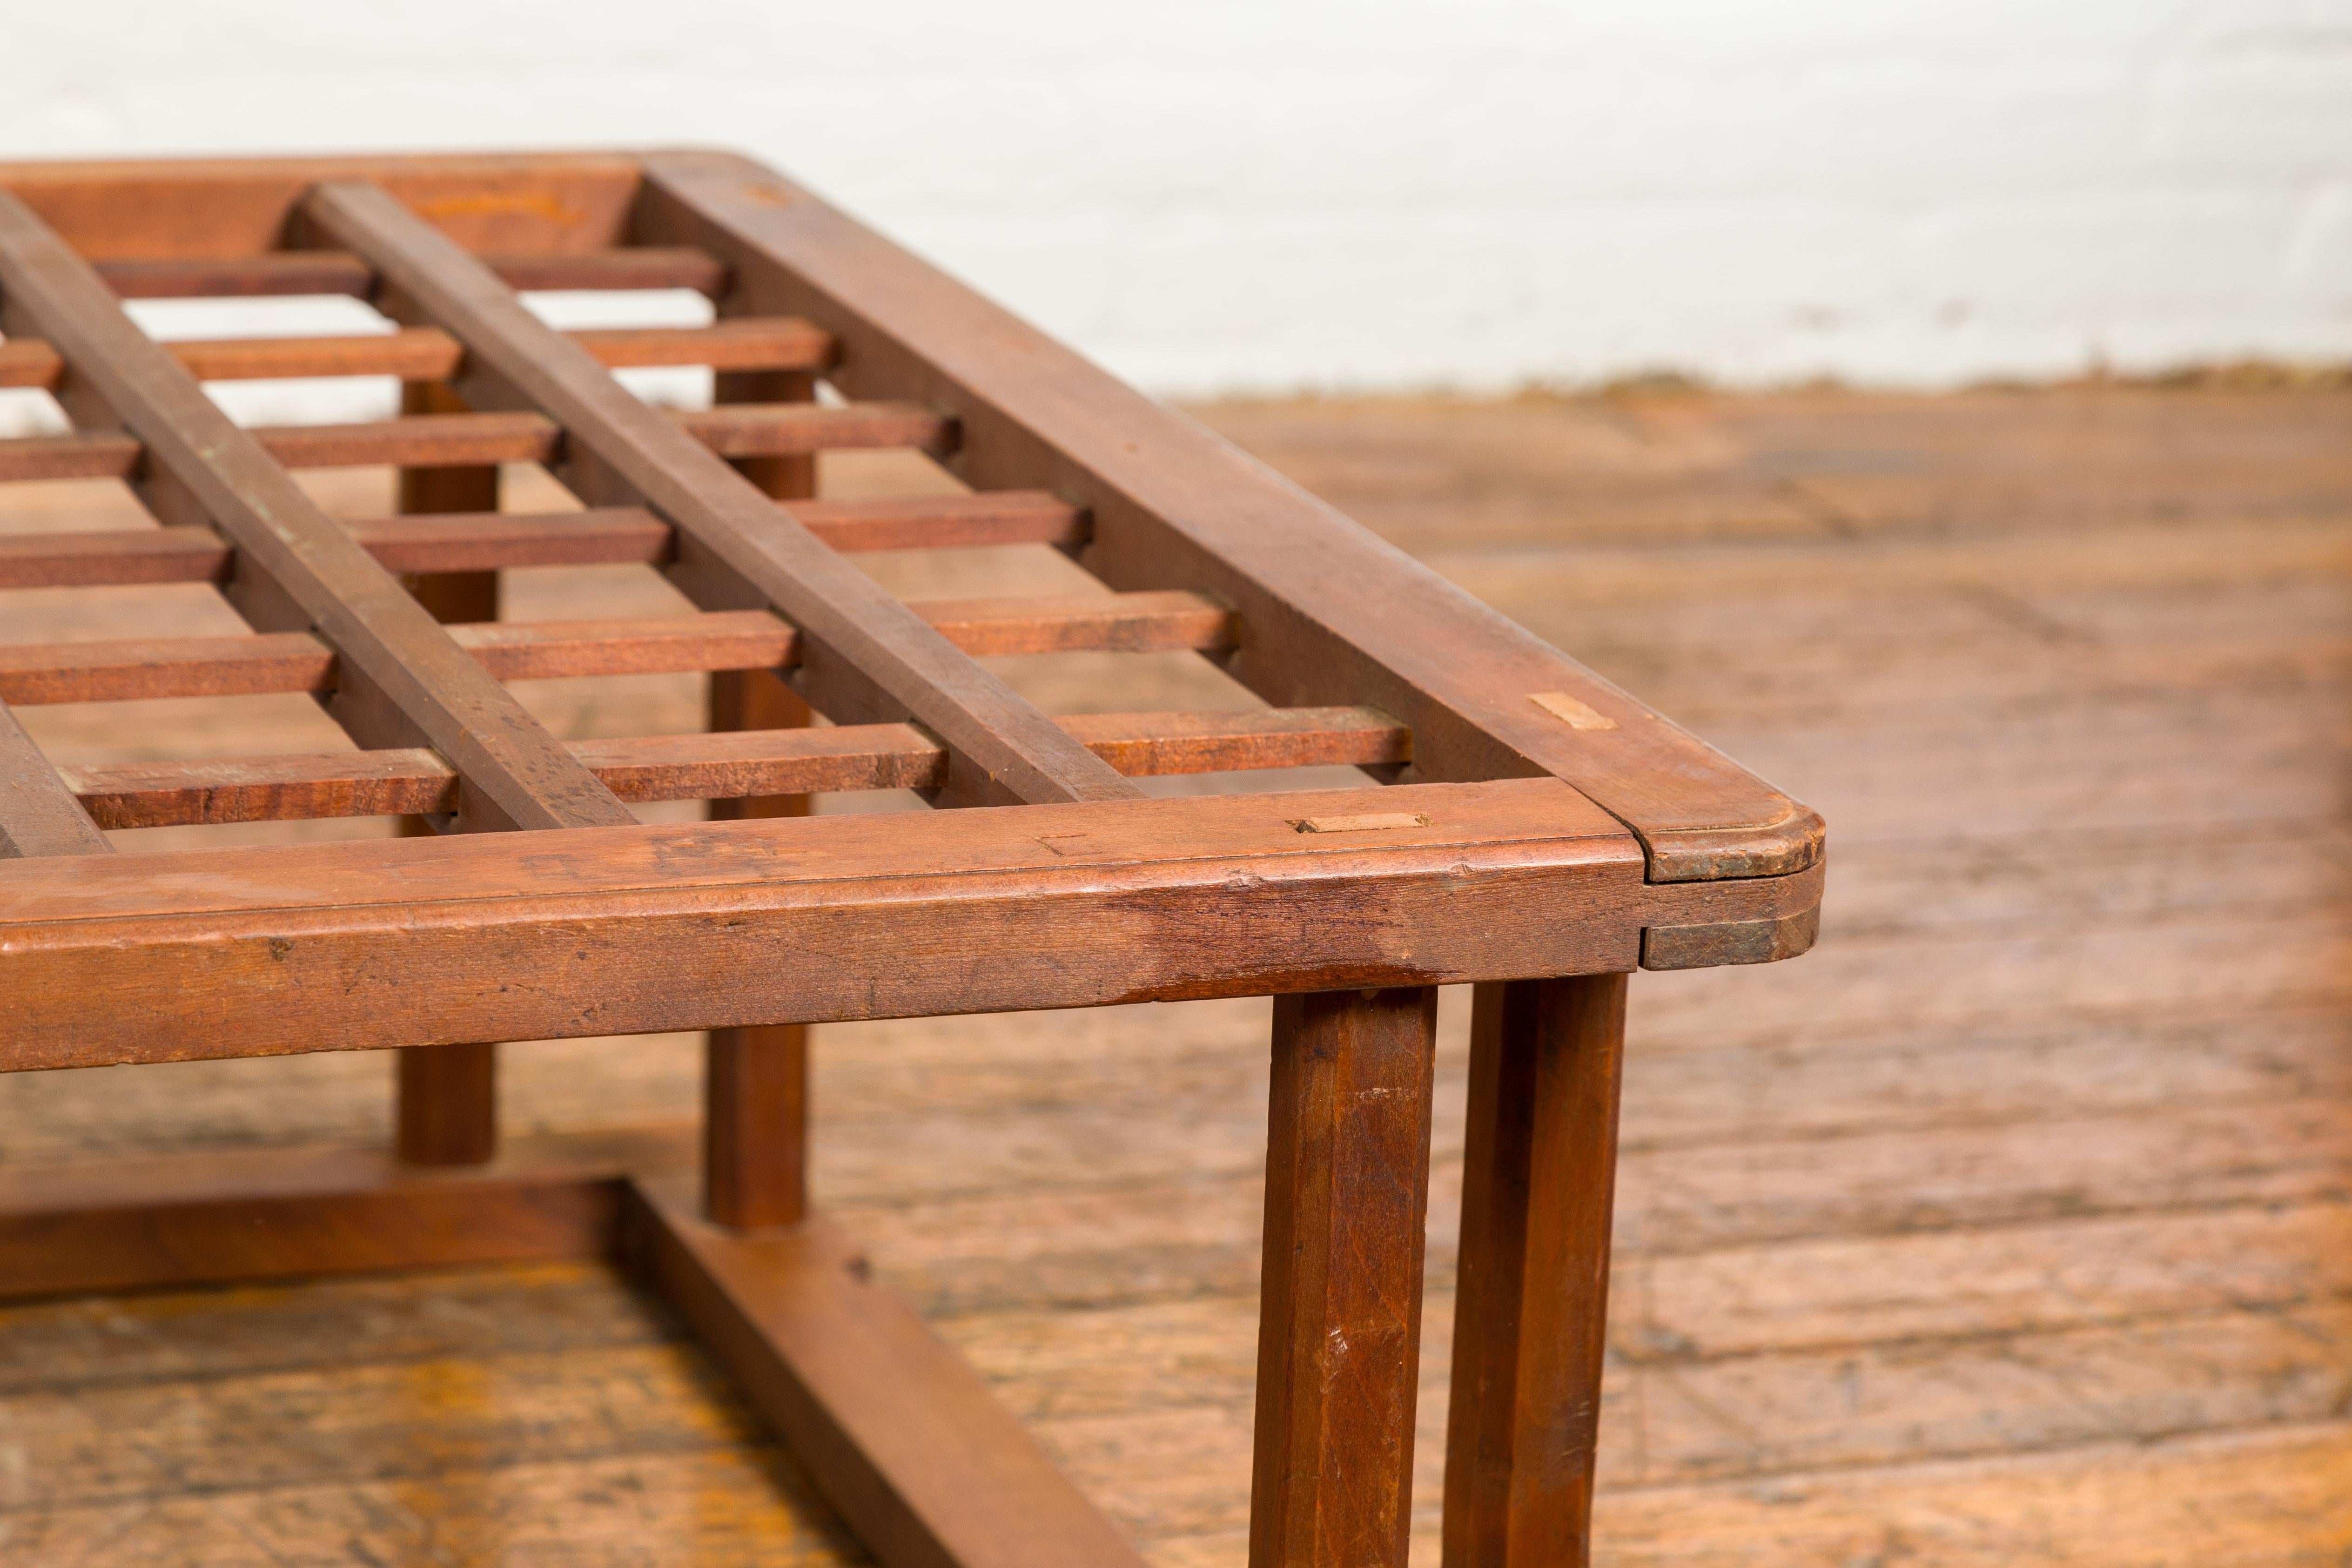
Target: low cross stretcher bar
{"x":1523,"y":825}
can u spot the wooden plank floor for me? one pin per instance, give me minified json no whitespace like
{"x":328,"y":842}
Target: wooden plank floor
{"x":2011,"y":1225}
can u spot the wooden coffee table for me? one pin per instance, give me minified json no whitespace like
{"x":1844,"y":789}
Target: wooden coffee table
{"x":1523,"y":824}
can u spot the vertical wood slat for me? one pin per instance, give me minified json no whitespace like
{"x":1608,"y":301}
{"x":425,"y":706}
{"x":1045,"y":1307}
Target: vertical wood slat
{"x":868,"y":656}
{"x":1346,"y":1196}
{"x":1531,"y":1308}
{"x":39,"y":814}
{"x":445,"y":1097}
{"x":755,"y":1080}
{"x":404,"y":681}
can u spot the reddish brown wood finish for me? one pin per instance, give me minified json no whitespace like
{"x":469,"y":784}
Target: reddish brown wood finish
{"x":446,"y":1110}
{"x":462,"y":440}
{"x":1574,"y":833}
{"x":422,"y":354}
{"x":38,"y":813}
{"x":477,"y":541}
{"x":330,"y":272}
{"x":632,"y":930}
{"x":1532,"y":1304}
{"x":872,"y":659}
{"x":756,"y":1079}
{"x":260,"y":1214}
{"x":1347,"y":1197}
{"x":1341,"y":616}
{"x":405,"y":680}
{"x":35,"y":673}
{"x":723,"y":766}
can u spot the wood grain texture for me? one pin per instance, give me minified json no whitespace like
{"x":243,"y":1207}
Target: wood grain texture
{"x":427,"y":355}
{"x":460,"y":440}
{"x":413,"y":679}
{"x":1338,"y":616}
{"x":330,"y":272}
{"x":38,"y":813}
{"x":903,"y":1437}
{"x":1532,"y":1282}
{"x":1347,"y":1199}
{"x":39,"y":673}
{"x":723,"y":766}
{"x":871,"y":659}
{"x":667,"y":927}
{"x":755,"y":1080}
{"x":275,"y":1213}
{"x":2007,"y":1227}
{"x":475,"y":542}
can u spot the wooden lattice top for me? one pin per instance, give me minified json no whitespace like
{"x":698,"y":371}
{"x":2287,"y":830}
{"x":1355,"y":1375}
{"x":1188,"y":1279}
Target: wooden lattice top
{"x":1539,"y":821}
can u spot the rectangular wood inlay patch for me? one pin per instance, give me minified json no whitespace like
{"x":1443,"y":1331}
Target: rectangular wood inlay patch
{"x":1561,"y":705}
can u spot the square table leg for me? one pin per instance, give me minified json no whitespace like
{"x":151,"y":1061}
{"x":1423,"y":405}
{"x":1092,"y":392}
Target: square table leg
{"x":1530,"y":1309}
{"x":447,"y":1095}
{"x":755,"y":1080}
{"x":1347,"y":1200}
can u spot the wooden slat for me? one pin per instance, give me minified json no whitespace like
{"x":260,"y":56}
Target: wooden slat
{"x":449,"y":441}
{"x":336,"y":272}
{"x":478,"y":541}
{"x":628,"y":930}
{"x":407,"y":782}
{"x":1127,"y":623}
{"x":1531,"y":1308}
{"x":403,"y":679}
{"x":1337,"y":615}
{"x":1339,"y":1351}
{"x":39,"y":673}
{"x":425,"y":354}
{"x":897,"y":1429}
{"x":32,"y":674}
{"x":182,"y":555}
{"x":870,"y":657}
{"x":38,"y":813}
{"x":1151,"y":744}
{"x":99,"y":456}
{"x":726,"y":765}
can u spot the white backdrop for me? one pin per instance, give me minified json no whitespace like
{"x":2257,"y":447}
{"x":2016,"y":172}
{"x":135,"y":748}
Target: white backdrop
{"x":1263,"y":194}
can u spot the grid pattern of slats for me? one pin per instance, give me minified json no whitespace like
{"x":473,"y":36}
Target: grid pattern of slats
{"x":439,"y":737}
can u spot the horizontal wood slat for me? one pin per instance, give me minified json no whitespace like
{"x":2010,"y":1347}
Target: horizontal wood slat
{"x":33,"y":674}
{"x":729,"y":765}
{"x":464,"y":440}
{"x":289,"y":272}
{"x":426,"y":353}
{"x":869,"y":658}
{"x":485,"y":541}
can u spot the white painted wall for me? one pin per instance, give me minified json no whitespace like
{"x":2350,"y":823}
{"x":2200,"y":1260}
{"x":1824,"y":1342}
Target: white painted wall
{"x":1221,"y":195}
